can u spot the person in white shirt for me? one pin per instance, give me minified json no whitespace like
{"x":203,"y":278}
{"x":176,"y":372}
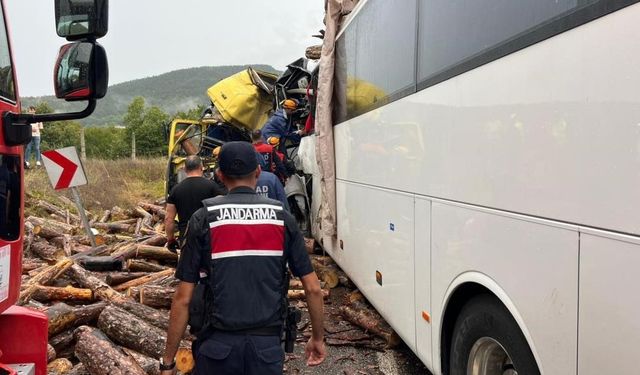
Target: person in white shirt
{"x":35,"y":142}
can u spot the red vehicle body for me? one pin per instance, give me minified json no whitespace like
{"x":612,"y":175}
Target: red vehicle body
{"x":23,"y":332}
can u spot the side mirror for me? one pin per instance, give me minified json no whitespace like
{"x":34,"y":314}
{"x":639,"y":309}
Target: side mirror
{"x":77,"y":19}
{"x":81,"y":72}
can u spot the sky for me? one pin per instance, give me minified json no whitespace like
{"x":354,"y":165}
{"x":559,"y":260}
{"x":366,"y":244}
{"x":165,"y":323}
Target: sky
{"x":151,"y":37}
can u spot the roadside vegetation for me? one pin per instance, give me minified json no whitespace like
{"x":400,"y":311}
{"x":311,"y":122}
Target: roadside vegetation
{"x":121,"y":183}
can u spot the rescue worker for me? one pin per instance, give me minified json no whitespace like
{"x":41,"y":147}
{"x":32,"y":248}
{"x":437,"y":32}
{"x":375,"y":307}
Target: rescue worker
{"x":279,"y":125}
{"x":271,"y":160}
{"x":186,"y":197}
{"x":269,"y":186}
{"x":245,"y":241}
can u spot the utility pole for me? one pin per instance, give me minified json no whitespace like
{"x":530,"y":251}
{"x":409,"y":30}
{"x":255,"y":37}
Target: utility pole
{"x":83,"y":150}
{"x":133,"y":146}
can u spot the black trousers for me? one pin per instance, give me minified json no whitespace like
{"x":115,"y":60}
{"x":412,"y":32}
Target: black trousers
{"x":232,"y":354}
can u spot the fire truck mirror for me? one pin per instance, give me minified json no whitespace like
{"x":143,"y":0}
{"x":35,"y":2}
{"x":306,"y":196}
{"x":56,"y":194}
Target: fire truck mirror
{"x":81,"y":72}
{"x":77,"y":19}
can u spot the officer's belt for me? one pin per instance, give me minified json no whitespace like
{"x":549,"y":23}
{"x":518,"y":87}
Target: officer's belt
{"x":265,"y":331}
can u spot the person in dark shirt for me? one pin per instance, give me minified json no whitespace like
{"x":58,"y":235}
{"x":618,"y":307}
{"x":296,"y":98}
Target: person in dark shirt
{"x":186,"y":198}
{"x":270,"y":186}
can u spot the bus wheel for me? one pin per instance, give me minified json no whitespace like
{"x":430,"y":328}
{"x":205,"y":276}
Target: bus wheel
{"x":487,"y":341}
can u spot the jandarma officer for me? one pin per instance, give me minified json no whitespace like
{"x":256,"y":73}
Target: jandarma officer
{"x":244,"y":242}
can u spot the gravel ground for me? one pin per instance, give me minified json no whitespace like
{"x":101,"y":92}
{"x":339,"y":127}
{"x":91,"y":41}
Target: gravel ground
{"x":351,"y":360}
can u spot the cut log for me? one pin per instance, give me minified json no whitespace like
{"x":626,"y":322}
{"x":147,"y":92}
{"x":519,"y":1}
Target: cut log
{"x":313,"y":52}
{"x":115,"y":278}
{"x":101,"y":263}
{"x":101,"y":239}
{"x":79,"y":369}
{"x":152,"y":316}
{"x":101,"y":356}
{"x":60,"y":366}
{"x":132,"y":332}
{"x":357,"y":311}
{"x":53,"y":209}
{"x":63,"y":242}
{"x":105,"y":216}
{"x":43,"y":278}
{"x":51,"y":353}
{"x":154,"y":208}
{"x":185,"y":361}
{"x":155,"y":240}
{"x":327,"y":274}
{"x":156,"y":253}
{"x":46,"y":251}
{"x":153,"y":295}
{"x":62,"y":340}
{"x":295,"y":284}
{"x":309,"y":245}
{"x":143,"y":266}
{"x":299,"y":294}
{"x":144,"y":280}
{"x":52,"y":225}
{"x":149,"y":365}
{"x":49,"y":293}
{"x":100,"y":289}
{"x":30,"y":264}
{"x":62,"y":316}
{"x":115,"y":227}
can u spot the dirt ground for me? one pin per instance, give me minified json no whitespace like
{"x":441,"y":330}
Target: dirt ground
{"x":364,"y":356}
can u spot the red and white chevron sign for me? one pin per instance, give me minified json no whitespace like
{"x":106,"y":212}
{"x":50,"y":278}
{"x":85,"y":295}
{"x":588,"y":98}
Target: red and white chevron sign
{"x":64,"y":168}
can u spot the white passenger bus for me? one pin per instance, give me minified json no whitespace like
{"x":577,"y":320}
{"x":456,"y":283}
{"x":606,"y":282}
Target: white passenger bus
{"x":488,"y":180}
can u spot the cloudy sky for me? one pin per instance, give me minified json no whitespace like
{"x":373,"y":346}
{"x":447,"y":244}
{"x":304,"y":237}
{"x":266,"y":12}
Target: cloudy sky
{"x":151,"y":37}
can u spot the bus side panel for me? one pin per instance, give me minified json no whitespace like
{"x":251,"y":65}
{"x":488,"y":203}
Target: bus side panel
{"x":376,"y":229}
{"x":609,"y":306}
{"x":535,"y":265}
{"x":422,"y":271}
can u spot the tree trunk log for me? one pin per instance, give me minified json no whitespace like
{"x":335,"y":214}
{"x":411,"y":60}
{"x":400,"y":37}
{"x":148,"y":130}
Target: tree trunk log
{"x":144,"y":266}
{"x":47,"y":252}
{"x":115,"y":227}
{"x":105,"y":216}
{"x":52,"y":225}
{"x":157,"y":210}
{"x":299,"y":294}
{"x":144,"y":280}
{"x":132,"y":332}
{"x":79,"y":369}
{"x":153,"y":296}
{"x":49,"y":293}
{"x":149,"y":365}
{"x":100,"y":289}
{"x":51,"y":353}
{"x":30,"y":264}
{"x":185,"y":361}
{"x":101,"y":263}
{"x":152,"y":316}
{"x":100,"y":356}
{"x":43,"y":278}
{"x":156,"y":253}
{"x":115,"y":278}
{"x":62,"y":340}
{"x":326,"y":272}
{"x":357,"y":311}
{"x":62,"y":316}
{"x":61,"y":366}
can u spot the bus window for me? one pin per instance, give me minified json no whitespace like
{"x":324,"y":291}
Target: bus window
{"x":10,"y":197}
{"x":7,"y":89}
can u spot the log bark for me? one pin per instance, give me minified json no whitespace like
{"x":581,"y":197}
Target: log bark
{"x":62,"y":316}
{"x":155,"y":240}
{"x":105,"y":216}
{"x":157,"y":210}
{"x":49,"y":293}
{"x":51,"y":353}
{"x":156,"y":253}
{"x":326,"y":271}
{"x":79,"y":369}
{"x":30,"y":264}
{"x":63,"y":242}
{"x":144,"y":280}
{"x":153,"y":295}
{"x":46,"y":251}
{"x":115,"y":227}
{"x":115,"y":278}
{"x":100,"y":289}
{"x":143,"y":266}
{"x":132,"y":332}
{"x":299,"y":294}
{"x":60,"y":366}
{"x":53,"y":225}
{"x":43,"y":278}
{"x":100,"y":356}
{"x":149,"y":365}
{"x":313,"y":52}
{"x":62,"y":340}
{"x":101,"y":263}
{"x":357,"y":311}
{"x":53,"y":209}
{"x":152,"y":316}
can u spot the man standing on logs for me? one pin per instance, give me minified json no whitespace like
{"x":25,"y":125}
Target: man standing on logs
{"x":186,"y":197}
{"x":245,"y":241}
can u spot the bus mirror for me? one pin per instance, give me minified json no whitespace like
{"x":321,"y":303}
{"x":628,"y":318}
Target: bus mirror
{"x":81,"y":72}
{"x":77,"y":19}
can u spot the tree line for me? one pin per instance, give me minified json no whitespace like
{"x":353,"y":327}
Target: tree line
{"x":148,"y":123}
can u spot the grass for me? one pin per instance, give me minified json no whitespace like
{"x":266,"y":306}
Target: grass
{"x":111,"y":183}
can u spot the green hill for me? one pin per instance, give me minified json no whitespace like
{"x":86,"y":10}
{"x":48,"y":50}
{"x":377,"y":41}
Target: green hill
{"x":174,"y":91}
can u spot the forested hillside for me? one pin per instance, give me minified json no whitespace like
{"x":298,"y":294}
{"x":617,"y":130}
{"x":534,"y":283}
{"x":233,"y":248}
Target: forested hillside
{"x":180,"y":90}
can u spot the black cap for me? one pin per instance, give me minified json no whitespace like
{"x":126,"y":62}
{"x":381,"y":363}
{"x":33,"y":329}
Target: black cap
{"x":237,"y":159}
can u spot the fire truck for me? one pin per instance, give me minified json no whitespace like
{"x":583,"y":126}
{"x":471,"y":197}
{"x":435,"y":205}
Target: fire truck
{"x":80,"y":74}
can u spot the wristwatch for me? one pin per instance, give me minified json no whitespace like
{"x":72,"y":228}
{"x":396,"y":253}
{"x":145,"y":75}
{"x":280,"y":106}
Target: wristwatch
{"x":167,"y":366}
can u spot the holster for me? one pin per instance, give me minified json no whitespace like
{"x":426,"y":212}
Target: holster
{"x":198,"y":308}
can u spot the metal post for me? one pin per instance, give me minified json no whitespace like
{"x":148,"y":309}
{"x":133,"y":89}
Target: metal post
{"x":83,"y":150}
{"x":83,"y":216}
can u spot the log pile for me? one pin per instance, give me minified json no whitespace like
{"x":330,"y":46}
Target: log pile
{"x":108,"y":306}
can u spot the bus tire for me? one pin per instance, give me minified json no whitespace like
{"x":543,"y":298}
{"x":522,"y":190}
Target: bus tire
{"x":487,"y":340}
